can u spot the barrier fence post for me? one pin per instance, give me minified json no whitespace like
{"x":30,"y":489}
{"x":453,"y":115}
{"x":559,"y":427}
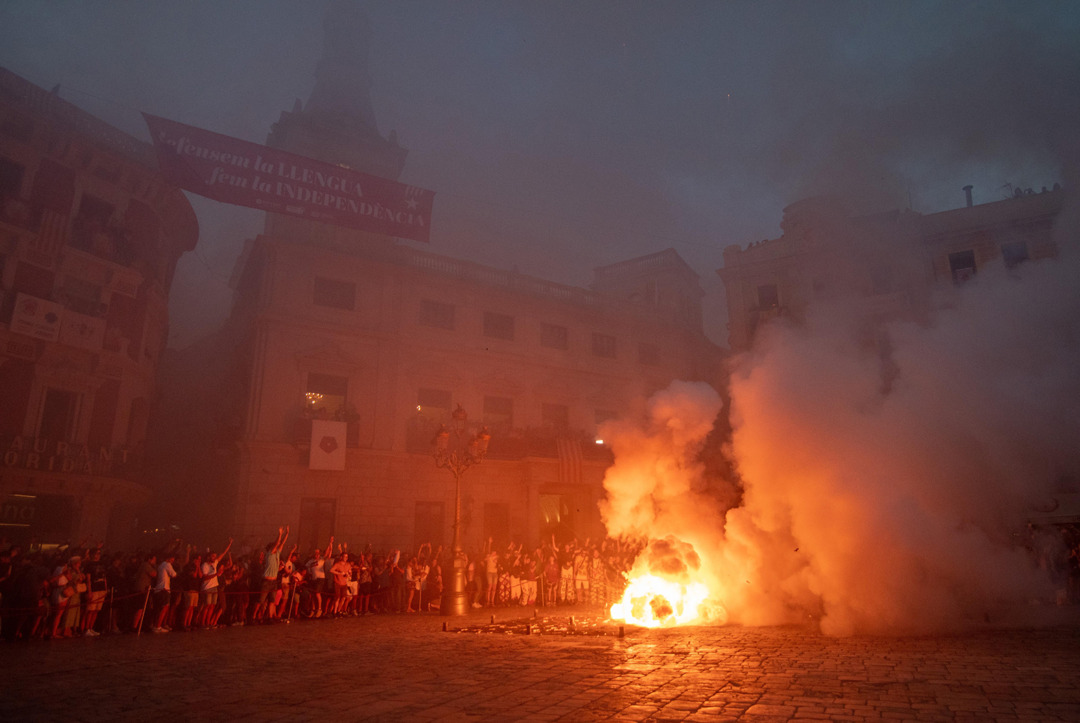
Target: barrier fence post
{"x":142,"y":618}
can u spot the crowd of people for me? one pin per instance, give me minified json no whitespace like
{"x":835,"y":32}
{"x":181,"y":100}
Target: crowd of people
{"x":85,"y":591}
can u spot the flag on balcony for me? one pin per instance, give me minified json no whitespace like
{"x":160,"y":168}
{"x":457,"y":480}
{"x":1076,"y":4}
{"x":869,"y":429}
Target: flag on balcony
{"x":569,"y":460}
{"x":327,"y":444}
{"x":51,"y":236}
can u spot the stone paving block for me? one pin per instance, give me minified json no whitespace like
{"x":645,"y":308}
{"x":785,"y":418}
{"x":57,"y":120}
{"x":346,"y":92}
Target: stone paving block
{"x":404,"y":668}
{"x":765,"y":709}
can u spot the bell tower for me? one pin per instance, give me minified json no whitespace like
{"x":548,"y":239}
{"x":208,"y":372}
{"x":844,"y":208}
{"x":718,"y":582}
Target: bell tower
{"x":337,"y":124}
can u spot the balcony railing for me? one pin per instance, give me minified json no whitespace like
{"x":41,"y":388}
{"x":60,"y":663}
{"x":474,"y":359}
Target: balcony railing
{"x":513,"y":443}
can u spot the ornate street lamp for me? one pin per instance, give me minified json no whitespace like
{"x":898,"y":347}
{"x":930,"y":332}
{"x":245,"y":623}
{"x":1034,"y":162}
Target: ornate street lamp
{"x":454,"y":449}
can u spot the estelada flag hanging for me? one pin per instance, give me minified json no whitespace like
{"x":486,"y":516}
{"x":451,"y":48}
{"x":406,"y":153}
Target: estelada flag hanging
{"x":234,"y":171}
{"x":327,"y":444}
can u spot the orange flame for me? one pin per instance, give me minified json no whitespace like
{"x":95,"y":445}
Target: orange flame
{"x":653,"y":602}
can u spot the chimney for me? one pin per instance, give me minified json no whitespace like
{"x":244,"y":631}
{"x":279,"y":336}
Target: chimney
{"x":967,"y":194}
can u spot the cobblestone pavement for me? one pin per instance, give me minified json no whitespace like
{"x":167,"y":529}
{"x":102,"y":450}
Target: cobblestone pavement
{"x":407,"y":668}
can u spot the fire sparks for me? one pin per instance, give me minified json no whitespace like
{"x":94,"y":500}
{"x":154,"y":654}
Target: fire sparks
{"x":653,"y":602}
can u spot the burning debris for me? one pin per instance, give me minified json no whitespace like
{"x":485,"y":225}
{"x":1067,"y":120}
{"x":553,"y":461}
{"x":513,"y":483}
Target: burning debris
{"x":563,"y":625}
{"x":666,"y":587}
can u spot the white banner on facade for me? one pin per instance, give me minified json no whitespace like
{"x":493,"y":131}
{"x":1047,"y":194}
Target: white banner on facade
{"x":327,"y":444}
{"x":36,"y":317}
{"x":87,"y":332}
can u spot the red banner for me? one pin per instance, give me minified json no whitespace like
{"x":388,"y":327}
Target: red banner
{"x":246,"y":174}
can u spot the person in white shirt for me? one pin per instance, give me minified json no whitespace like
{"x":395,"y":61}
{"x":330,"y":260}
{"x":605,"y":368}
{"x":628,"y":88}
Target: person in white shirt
{"x":163,"y":591}
{"x":316,"y":567}
{"x":209,"y":594}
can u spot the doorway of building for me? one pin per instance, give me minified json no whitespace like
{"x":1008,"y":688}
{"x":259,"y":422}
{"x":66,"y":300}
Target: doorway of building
{"x":428,"y":525}
{"x":557,"y":518}
{"x":317,"y":516}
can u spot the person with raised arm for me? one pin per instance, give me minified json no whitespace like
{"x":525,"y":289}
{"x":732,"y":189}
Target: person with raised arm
{"x":210,"y":585}
{"x":316,"y":567}
{"x":264,"y":610}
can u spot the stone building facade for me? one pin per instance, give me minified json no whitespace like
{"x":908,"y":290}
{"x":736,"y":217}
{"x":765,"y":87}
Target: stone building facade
{"x":896,"y":262}
{"x":391,"y":341}
{"x":89,"y":239}
{"x":899,"y":265}
{"x":335,"y":324}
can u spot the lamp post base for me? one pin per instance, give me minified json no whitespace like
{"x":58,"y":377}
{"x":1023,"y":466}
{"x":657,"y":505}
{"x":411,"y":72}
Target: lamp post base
{"x":455,"y":598}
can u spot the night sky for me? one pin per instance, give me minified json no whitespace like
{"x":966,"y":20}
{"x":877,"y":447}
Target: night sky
{"x":561,"y":136}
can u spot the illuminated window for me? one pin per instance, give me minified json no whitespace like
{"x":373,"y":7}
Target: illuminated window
{"x":498,"y":326}
{"x":556,"y":517}
{"x":326,"y":394}
{"x":603,"y":345}
{"x":436,"y":314}
{"x":433,"y":405}
{"x":554,"y":336}
{"x":334,"y":294}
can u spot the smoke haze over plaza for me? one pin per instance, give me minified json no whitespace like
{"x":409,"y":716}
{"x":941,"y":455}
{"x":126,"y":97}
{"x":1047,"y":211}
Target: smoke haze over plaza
{"x":563,"y":136}
{"x":871,"y":475}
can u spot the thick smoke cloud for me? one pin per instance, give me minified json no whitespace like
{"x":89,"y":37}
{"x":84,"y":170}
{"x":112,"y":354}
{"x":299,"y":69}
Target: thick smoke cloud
{"x":882,"y":493}
{"x":561,"y":136}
